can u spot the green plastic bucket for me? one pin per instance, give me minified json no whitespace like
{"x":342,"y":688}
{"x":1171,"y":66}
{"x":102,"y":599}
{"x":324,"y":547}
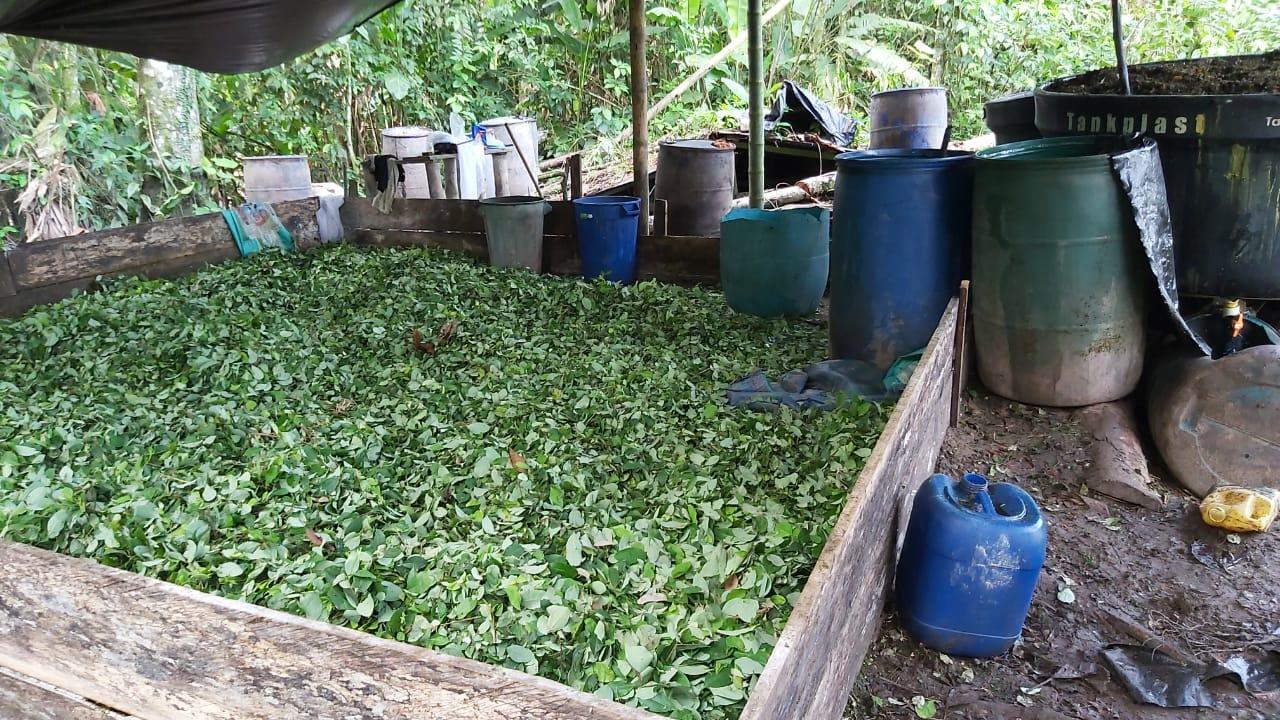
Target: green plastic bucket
{"x":774,"y":263}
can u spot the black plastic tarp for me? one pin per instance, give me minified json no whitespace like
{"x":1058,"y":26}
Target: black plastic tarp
{"x":223,"y":36}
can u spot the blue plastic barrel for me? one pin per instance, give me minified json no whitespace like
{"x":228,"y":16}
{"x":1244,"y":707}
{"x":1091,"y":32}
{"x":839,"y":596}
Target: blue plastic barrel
{"x":607,"y":236}
{"x":900,"y":238}
{"x":773,"y":263}
{"x":969,"y":565}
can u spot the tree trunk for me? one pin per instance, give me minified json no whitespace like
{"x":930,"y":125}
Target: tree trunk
{"x":169,"y":96}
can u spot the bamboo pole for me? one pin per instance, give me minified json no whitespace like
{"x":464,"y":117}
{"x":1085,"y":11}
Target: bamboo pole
{"x":755,"y":61}
{"x":738,"y":41}
{"x":639,"y":103}
{"x":1117,"y":35}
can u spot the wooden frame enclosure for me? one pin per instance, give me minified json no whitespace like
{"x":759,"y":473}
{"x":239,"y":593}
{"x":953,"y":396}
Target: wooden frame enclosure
{"x":457,"y":225}
{"x":80,"y":640}
{"x":46,"y":271}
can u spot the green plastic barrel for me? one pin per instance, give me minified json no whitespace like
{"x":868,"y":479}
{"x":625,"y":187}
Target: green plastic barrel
{"x":774,"y":263}
{"x":1058,"y":273}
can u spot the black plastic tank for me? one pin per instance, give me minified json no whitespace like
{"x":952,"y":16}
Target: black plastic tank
{"x":1013,"y":117}
{"x":1217,"y":123}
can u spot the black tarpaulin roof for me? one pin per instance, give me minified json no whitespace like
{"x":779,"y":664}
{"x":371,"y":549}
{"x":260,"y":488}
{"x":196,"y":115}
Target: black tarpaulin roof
{"x":225,"y":36}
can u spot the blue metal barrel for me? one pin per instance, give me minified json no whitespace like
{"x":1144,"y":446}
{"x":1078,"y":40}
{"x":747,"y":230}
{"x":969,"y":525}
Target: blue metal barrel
{"x":969,"y":565}
{"x":900,"y":241}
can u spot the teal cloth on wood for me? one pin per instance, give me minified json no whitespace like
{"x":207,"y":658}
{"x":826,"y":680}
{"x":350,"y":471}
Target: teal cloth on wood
{"x":256,"y":227}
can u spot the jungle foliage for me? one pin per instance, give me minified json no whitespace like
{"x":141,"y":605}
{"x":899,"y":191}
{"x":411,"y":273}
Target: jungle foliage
{"x":73,"y":119}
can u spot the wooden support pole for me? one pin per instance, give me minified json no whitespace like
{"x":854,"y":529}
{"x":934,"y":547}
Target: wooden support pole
{"x":574,"y":165}
{"x":755,"y":88}
{"x":639,"y":104}
{"x":711,"y":64}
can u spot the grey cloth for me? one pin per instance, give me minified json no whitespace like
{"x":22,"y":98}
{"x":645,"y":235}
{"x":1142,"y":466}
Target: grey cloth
{"x":821,"y":386}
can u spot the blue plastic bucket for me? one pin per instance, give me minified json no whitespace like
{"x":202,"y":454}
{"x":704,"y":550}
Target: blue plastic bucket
{"x":607,"y":236}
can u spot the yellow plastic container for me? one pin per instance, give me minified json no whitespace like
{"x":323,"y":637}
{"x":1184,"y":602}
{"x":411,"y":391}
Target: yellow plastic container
{"x":1241,"y":509}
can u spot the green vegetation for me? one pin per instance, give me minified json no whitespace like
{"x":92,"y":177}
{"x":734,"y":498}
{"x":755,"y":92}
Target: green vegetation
{"x":562,"y":61}
{"x":559,"y":488}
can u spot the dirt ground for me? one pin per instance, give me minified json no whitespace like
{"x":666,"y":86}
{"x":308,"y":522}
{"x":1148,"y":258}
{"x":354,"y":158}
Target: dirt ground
{"x":1138,"y":563}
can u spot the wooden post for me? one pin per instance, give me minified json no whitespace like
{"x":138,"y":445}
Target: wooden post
{"x":574,"y":163}
{"x":714,"y":62}
{"x":755,"y":62}
{"x":961,"y":353}
{"x":639,"y":106}
{"x":660,"y":217}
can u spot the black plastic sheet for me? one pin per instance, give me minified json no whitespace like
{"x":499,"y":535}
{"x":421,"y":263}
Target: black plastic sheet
{"x":223,"y":36}
{"x":1154,"y":678}
{"x":804,"y":112}
{"x":1142,"y":176}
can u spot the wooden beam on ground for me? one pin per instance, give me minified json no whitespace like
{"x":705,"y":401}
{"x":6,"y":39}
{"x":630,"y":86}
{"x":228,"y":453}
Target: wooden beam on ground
{"x":159,"y":651}
{"x":50,"y":262}
{"x":51,"y":270}
{"x":817,"y":658}
{"x":802,"y":191}
{"x":24,"y":698}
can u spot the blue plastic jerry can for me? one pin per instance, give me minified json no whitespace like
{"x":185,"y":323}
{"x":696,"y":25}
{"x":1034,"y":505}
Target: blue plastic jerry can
{"x":969,"y":565}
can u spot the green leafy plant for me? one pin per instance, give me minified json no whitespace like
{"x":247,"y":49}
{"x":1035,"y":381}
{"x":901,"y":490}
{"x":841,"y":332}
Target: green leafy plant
{"x":555,"y":485}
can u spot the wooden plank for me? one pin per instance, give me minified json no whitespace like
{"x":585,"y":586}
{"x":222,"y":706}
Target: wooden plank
{"x":575,"y":175}
{"x":51,"y":262}
{"x":686,"y":260}
{"x":470,"y":243}
{"x":660,"y":216}
{"x":461,"y":216}
{"x":24,"y":698}
{"x":960,"y":376}
{"x":159,"y":651}
{"x":7,"y":288}
{"x":817,"y":658}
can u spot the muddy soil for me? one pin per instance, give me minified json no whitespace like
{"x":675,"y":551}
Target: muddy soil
{"x":1210,"y":76}
{"x":1118,"y":558}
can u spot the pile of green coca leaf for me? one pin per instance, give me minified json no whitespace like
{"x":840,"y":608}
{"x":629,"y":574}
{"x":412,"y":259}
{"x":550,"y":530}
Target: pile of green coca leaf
{"x":546,"y":478}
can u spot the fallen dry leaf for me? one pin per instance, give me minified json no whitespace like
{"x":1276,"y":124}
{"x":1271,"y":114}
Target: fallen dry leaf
{"x":314,"y":538}
{"x":447,"y":331}
{"x":422,"y":347}
{"x":517,"y":460}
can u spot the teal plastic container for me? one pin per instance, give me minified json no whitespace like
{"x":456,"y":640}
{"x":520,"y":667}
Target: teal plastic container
{"x":774,"y":263}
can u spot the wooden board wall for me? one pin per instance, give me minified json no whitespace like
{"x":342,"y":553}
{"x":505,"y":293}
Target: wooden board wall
{"x":50,"y":270}
{"x":159,"y":652}
{"x":457,"y":225}
{"x":816,"y":661}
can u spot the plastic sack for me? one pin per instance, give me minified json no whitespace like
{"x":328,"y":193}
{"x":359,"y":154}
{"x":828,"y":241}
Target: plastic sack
{"x":255,"y":227}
